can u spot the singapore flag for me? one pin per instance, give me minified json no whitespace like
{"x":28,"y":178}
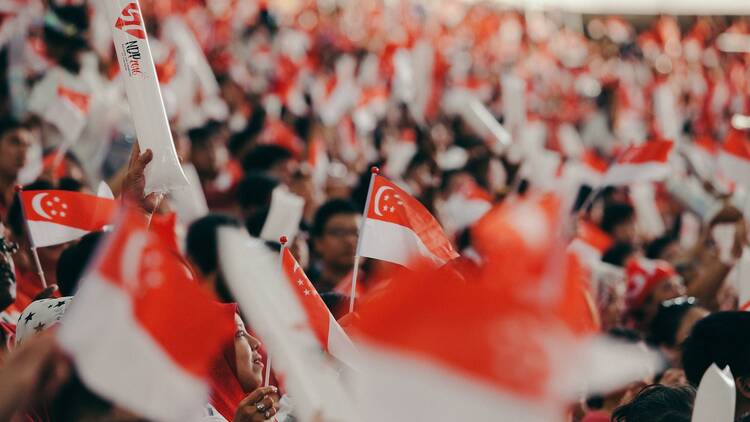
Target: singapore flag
{"x":56,"y":216}
{"x":397,"y":228}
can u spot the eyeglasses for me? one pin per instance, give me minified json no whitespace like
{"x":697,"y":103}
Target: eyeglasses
{"x":679,"y":301}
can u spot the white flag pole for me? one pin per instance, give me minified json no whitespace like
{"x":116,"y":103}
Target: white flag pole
{"x":38,"y":263}
{"x":374,"y":171}
{"x":283,"y":240}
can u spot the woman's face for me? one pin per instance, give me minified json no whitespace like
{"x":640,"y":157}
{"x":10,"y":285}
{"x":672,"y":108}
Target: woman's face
{"x":249,"y":361}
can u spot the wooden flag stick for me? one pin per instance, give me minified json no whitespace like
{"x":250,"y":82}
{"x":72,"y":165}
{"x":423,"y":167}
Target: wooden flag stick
{"x":374,"y":171}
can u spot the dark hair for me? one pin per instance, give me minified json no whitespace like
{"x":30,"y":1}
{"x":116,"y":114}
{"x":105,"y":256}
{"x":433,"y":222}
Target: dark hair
{"x":70,"y":184}
{"x":328,"y":210}
{"x":254,"y":223}
{"x":255,"y":190}
{"x":663,"y":330}
{"x":263,"y":157}
{"x":658,"y":403}
{"x":616,"y":214}
{"x":201,"y":135}
{"x":719,"y":338}
{"x":75,"y":402}
{"x":656,"y":248}
{"x":15,"y":218}
{"x":201,"y":242}
{"x":8,"y":125}
{"x":73,"y":262}
{"x":617,"y":254}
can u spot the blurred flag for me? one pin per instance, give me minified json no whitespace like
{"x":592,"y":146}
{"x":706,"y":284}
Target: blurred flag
{"x":593,"y":168}
{"x":68,"y":112}
{"x":532,"y":346}
{"x":254,"y":277}
{"x":715,"y":400}
{"x":131,"y":331}
{"x":734,"y":158}
{"x":56,"y":216}
{"x":648,"y":162}
{"x":332,"y":337}
{"x":398,"y":228}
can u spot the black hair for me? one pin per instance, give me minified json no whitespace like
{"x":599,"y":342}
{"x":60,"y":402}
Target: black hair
{"x":201,"y":135}
{"x":73,"y":262}
{"x":255,"y":190}
{"x":616,"y":213}
{"x":75,"y":402}
{"x":658,"y":403}
{"x":663,"y":329}
{"x":14,"y":219}
{"x":656,"y":248}
{"x":70,"y":184}
{"x":254,"y":224}
{"x":253,"y":128}
{"x":617,"y":254}
{"x":264,"y":157}
{"x":201,"y":243}
{"x":719,"y":338}
{"x":8,"y":125}
{"x":328,"y":210}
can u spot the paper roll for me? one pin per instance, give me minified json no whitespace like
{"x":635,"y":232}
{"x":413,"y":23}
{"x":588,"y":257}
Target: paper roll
{"x":164,"y":173}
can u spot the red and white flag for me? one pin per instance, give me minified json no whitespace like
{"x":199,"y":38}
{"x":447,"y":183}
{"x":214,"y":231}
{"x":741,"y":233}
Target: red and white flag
{"x":734,"y":158}
{"x":272,"y":308}
{"x":131,"y":331}
{"x":332,"y":337}
{"x":593,"y":168}
{"x":397,"y":228}
{"x":68,"y":111}
{"x":57,"y":216}
{"x":641,"y":163}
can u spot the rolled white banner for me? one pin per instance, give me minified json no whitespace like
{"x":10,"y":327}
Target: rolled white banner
{"x":164,"y":173}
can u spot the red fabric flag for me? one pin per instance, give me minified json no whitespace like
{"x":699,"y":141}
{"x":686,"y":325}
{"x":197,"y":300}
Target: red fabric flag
{"x":56,"y":216}
{"x":332,"y":337}
{"x":398,"y":228}
{"x":131,"y":331}
{"x":641,"y":163}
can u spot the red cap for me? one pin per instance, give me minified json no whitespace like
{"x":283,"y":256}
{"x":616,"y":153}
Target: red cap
{"x":643,"y":275}
{"x":18,"y":188}
{"x":374,"y":170}
{"x":283,"y":240}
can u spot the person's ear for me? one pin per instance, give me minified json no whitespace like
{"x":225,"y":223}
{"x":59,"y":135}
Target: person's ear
{"x":743,"y":386}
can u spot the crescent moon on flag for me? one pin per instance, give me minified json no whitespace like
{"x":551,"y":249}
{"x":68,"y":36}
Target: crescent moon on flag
{"x":378,"y":194}
{"x":36,"y":204}
{"x":131,"y":259}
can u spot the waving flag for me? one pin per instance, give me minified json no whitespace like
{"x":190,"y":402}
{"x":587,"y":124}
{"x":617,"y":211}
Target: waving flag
{"x":397,"y":228}
{"x":131,"y":331}
{"x":332,"y":337}
{"x":642,"y":163}
{"x":280,"y":320}
{"x":734,"y":158}
{"x":142,"y":86}
{"x":56,"y":216}
{"x":68,"y":112}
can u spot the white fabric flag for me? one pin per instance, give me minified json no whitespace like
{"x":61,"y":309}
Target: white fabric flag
{"x":142,"y":86}
{"x":255,"y":278}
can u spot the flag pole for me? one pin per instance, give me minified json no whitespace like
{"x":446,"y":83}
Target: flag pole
{"x":267,"y":377}
{"x":374,"y":171}
{"x":37,"y":262}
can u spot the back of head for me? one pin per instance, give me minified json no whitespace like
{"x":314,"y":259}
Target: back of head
{"x":201,"y":242}
{"x":265,"y":157}
{"x":618,"y":254}
{"x":615,"y":214}
{"x":720,"y":338}
{"x":15,"y":218}
{"x":658,"y":403}
{"x":254,"y":191}
{"x":73,"y":262}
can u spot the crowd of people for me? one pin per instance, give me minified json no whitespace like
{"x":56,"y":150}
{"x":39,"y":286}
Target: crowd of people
{"x":305,"y":97}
